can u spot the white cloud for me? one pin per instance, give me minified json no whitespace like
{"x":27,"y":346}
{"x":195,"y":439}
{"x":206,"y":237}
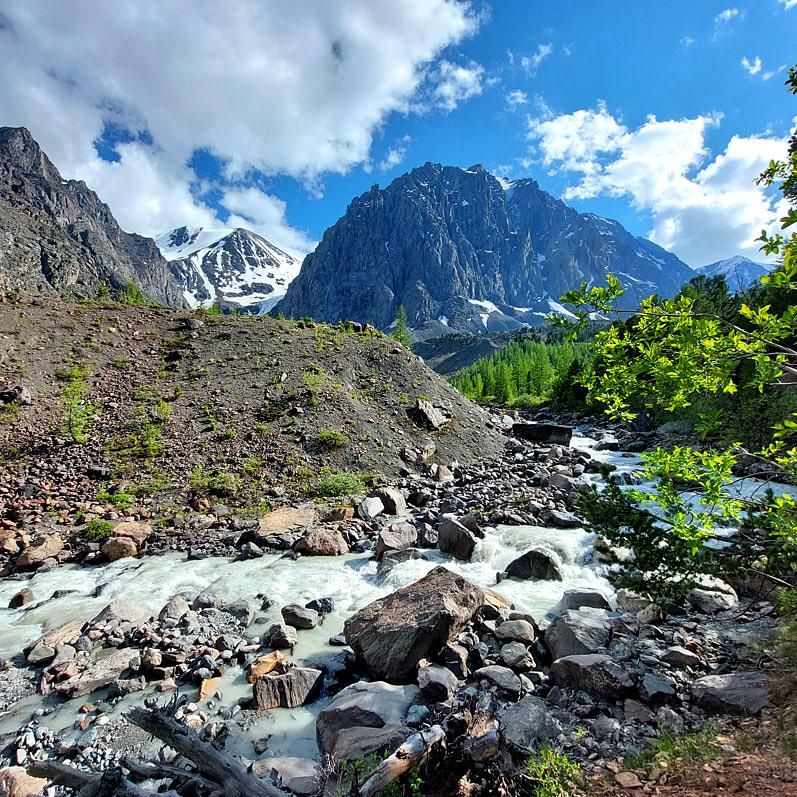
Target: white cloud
{"x":515,"y":98}
{"x":687,"y":42}
{"x":293,"y":88}
{"x":456,"y":83}
{"x":771,"y":73}
{"x":724,"y":17}
{"x":395,"y":154}
{"x":788,"y":3}
{"x":532,"y":63}
{"x":703,"y":209}
{"x":257,"y":211}
{"x":754,"y":66}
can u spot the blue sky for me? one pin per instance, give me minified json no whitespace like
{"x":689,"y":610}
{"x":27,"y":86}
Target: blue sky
{"x":274,"y":116}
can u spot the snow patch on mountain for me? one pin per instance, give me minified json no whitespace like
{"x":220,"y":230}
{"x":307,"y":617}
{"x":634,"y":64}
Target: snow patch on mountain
{"x":235,"y":267}
{"x":739,"y":272}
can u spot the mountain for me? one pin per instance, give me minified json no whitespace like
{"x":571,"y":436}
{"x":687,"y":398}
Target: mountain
{"x":464,"y":251}
{"x":57,"y":236}
{"x":739,"y":271}
{"x":237,"y":267}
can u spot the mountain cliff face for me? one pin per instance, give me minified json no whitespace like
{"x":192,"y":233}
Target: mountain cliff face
{"x":56,"y":236}
{"x":739,"y":272}
{"x":463,"y":251}
{"x":236,"y":267}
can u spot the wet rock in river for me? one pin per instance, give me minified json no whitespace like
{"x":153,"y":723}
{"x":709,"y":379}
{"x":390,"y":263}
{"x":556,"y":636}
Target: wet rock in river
{"x":537,"y":564}
{"x":456,"y":539}
{"x":297,"y":686}
{"x":322,"y":542}
{"x":299,"y":616}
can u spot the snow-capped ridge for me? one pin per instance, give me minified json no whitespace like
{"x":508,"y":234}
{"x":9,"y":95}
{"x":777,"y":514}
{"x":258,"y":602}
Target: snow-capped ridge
{"x":233,"y":266}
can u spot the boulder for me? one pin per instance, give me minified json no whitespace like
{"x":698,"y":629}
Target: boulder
{"x":263,"y":665}
{"x":517,"y":656}
{"x":174,"y":611}
{"x":397,"y":537}
{"x":455,"y":539}
{"x":562,"y":520}
{"x":280,"y":636}
{"x":436,"y":682}
{"x":119,"y":548}
{"x":543,"y":433}
{"x":527,"y":724}
{"x":502,"y":678}
{"x":44,"y":648}
{"x":294,"y":688}
{"x":117,"y":612}
{"x":657,"y":689}
{"x":712,"y":596}
{"x":299,"y":616}
{"x":369,"y":705}
{"x":393,"y":558}
{"x":579,"y":598}
{"x":736,"y":693}
{"x":577,"y":632}
{"x":678,"y":656}
{"x":22,"y":598}
{"x":515,"y":631}
{"x":287,"y":518}
{"x":322,"y":542}
{"x":15,"y":782}
{"x":392,"y":499}
{"x":100,"y":673}
{"x":299,"y":776}
{"x":356,"y":743}
{"x":43,"y":546}
{"x":428,"y":416}
{"x":135,"y":530}
{"x":392,"y":634}
{"x":597,"y":675}
{"x":537,"y":564}
{"x":369,"y":508}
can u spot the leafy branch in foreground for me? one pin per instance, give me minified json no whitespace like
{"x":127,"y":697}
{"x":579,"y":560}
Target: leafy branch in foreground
{"x":673,"y":355}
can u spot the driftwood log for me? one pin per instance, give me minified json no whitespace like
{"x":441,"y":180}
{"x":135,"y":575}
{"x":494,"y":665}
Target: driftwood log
{"x":217,"y":772}
{"x":111,"y":783}
{"x":408,"y":755}
{"x":214,"y":764}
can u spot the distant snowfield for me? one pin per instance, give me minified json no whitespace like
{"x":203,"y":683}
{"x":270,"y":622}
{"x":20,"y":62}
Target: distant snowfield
{"x":232,"y":265}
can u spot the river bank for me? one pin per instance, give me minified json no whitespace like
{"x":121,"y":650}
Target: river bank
{"x":218,"y":617}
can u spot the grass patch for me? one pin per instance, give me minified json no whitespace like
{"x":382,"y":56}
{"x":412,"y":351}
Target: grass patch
{"x":332,"y":438}
{"x":78,"y":414}
{"x":9,"y":412}
{"x":554,"y":774}
{"x":121,"y":364}
{"x":338,"y":483}
{"x":96,"y":530}
{"x":694,"y":747}
{"x":143,"y":443}
{"x":119,"y":499}
{"x":222,"y":483}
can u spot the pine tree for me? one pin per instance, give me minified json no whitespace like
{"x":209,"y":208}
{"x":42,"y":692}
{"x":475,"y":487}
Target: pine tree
{"x":401,"y":332}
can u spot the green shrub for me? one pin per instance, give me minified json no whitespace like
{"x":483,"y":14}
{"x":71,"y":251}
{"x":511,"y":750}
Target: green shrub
{"x":339,"y":483}
{"x":554,"y":774}
{"x":96,"y":530}
{"x":77,"y":413}
{"x":332,"y":438}
{"x":133,"y":295}
{"x":121,"y":499}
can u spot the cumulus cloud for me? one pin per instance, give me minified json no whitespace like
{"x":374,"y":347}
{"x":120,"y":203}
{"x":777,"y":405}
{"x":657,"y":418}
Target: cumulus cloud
{"x":788,"y":3}
{"x":395,"y":154}
{"x":531,"y":63}
{"x":724,"y":17}
{"x":703,"y":208}
{"x":257,"y":211}
{"x":754,"y":66}
{"x":456,"y":83}
{"x":515,"y":98}
{"x":295,"y":88}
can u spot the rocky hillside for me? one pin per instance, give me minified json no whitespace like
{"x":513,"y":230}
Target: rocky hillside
{"x":235,"y":267}
{"x":57,"y":236}
{"x":463,"y":251}
{"x":177,"y":410}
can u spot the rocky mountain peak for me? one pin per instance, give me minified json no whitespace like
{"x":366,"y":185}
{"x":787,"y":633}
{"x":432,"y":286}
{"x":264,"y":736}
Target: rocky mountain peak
{"x":465,"y":251}
{"x":57,"y":236}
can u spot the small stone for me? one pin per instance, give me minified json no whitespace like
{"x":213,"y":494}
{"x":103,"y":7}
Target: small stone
{"x":628,"y":780}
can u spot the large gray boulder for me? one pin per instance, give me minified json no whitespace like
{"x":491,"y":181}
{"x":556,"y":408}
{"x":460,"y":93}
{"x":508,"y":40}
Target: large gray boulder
{"x":578,"y":631}
{"x":736,"y":693}
{"x":597,"y":675}
{"x":294,"y":688}
{"x":353,"y":744}
{"x":580,"y":598}
{"x":397,"y":537}
{"x":392,"y":499}
{"x":100,"y":673}
{"x":528,"y":723}
{"x":537,"y":564}
{"x":364,"y":705}
{"x":712,"y":596}
{"x":392,"y":634}
{"x":456,"y":539}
